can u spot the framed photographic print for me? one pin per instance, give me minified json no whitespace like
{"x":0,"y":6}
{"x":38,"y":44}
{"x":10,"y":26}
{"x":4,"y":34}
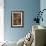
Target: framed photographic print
{"x":17,"y":18}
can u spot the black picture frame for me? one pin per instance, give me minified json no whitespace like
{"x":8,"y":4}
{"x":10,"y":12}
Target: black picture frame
{"x":17,"y":19}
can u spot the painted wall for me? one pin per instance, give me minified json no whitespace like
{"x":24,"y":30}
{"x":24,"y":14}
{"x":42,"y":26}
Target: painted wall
{"x":43,"y":6}
{"x":30,"y":7}
{"x":1,"y":21}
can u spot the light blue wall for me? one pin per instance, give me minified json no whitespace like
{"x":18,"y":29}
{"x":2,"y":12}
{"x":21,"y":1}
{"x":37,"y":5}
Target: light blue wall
{"x":30,"y":7}
{"x":43,"y":6}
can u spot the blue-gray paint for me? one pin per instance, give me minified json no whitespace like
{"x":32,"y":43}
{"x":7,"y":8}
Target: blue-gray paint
{"x":30,"y":7}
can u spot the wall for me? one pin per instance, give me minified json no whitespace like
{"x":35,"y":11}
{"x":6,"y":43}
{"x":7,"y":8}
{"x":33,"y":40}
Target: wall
{"x":43,"y":6}
{"x":30,"y":7}
{"x":1,"y":21}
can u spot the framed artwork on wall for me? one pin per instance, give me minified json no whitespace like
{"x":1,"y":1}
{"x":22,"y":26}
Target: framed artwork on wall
{"x":17,"y":18}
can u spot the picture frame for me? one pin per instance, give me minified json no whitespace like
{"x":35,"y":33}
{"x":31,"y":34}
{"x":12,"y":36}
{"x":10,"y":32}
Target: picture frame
{"x":17,"y":18}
